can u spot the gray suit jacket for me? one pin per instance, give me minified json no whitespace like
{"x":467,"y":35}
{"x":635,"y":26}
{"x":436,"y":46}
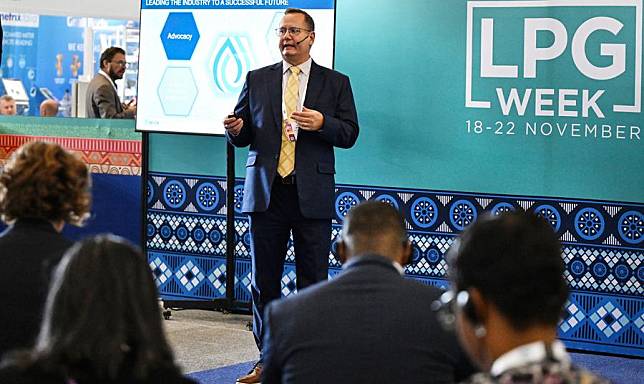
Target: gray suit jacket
{"x":367,"y":325}
{"x":102,"y":101}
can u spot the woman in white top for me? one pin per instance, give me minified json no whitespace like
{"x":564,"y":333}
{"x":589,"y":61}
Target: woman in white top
{"x":509,"y":292}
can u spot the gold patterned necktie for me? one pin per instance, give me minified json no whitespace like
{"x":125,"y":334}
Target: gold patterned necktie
{"x":286,"y":162}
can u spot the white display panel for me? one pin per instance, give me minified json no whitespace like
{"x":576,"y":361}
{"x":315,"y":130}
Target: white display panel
{"x":193,"y":60}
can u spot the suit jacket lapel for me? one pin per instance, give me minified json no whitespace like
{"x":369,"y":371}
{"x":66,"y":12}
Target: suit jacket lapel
{"x":275,"y":93}
{"x":314,"y":87}
{"x":117,"y":101}
{"x":274,"y":84}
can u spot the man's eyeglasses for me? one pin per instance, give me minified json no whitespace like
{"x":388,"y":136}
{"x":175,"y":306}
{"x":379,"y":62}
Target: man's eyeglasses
{"x":121,"y":63}
{"x":294,"y":31}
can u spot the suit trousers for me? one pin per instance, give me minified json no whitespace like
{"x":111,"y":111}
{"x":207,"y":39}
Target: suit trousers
{"x":270,"y":232}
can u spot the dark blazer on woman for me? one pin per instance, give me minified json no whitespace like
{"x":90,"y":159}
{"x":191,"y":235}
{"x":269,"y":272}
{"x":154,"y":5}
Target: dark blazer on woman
{"x":34,"y":375}
{"x":29,"y":250}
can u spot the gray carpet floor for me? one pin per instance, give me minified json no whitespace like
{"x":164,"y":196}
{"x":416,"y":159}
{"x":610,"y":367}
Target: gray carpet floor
{"x":204,"y":340}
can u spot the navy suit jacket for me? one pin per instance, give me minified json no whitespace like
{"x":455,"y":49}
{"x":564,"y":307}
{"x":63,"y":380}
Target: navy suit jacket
{"x":29,"y":251}
{"x":367,"y":325}
{"x":260,"y":105}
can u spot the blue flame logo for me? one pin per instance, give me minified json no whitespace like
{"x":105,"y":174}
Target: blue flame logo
{"x":231,"y":64}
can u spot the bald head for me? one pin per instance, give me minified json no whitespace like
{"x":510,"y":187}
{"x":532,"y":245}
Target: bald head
{"x":374,"y":227}
{"x":49,"y":108}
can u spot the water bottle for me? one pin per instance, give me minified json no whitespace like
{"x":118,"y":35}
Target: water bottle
{"x":66,"y":104}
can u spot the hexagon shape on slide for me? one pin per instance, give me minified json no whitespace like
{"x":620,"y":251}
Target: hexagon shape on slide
{"x":179,"y":36}
{"x":177,"y":91}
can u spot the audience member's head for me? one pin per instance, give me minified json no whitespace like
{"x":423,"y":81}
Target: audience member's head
{"x":7,"y":106}
{"x":44,"y":181}
{"x":102,"y":321}
{"x":507,"y":276}
{"x":374,"y":228}
{"x":49,"y":108}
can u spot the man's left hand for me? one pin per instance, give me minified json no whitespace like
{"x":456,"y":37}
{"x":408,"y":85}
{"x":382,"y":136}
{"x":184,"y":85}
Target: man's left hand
{"x":308,"y":119}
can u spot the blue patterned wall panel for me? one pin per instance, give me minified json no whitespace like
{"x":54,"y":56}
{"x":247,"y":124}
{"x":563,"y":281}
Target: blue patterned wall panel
{"x":602,"y":242}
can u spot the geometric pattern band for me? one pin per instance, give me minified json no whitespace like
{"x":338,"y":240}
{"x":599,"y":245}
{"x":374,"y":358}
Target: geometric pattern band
{"x":103,"y":156}
{"x":603,"y":248}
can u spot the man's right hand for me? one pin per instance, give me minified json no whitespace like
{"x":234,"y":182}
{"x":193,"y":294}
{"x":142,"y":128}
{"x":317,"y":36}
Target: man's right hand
{"x":233,"y":125}
{"x":130,"y":110}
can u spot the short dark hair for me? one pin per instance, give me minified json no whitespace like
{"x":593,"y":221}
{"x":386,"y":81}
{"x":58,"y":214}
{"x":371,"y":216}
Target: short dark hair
{"x":102,"y":319}
{"x":369,"y":222}
{"x":43,"y":180}
{"x":307,"y":18}
{"x":515,"y":261}
{"x":109,"y":54}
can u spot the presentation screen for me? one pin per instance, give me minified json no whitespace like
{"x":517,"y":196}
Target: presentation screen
{"x":194,"y":56}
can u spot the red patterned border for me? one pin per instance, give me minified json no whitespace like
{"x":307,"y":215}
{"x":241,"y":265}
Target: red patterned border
{"x":120,"y":157}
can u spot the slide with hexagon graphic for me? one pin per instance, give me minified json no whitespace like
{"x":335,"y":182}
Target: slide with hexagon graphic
{"x":194,"y":59}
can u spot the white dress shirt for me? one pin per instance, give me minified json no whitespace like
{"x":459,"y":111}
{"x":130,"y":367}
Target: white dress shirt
{"x":529,"y":354}
{"x":100,"y":72}
{"x":305,"y":72}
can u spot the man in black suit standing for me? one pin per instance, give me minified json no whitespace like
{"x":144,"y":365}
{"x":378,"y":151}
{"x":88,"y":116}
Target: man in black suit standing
{"x":292,"y":114}
{"x":367,"y":325}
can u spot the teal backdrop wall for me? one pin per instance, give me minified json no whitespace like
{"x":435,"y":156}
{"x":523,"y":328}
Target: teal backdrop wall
{"x":575,"y":157}
{"x":406,"y":61}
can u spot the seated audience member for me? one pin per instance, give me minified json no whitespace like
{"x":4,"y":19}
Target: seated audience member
{"x":102,"y":323}
{"x":367,"y":325}
{"x":42,"y":187}
{"x":49,"y":108}
{"x":509,"y":292}
{"x":7,"y":106}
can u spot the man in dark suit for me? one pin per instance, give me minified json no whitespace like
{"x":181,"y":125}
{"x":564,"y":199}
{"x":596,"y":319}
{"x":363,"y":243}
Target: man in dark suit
{"x":291,"y":114}
{"x":101,"y":100}
{"x":369,"y":324}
